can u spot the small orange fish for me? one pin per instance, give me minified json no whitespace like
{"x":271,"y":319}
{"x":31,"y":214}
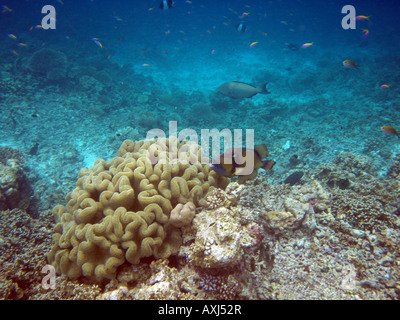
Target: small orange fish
{"x":38,"y":26}
{"x":350,"y":64}
{"x":360,"y":18}
{"x":385,"y":86}
{"x":365,"y":33}
{"x":390,"y":131}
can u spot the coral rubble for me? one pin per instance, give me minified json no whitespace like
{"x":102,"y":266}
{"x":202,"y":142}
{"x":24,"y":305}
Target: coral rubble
{"x":24,"y":242}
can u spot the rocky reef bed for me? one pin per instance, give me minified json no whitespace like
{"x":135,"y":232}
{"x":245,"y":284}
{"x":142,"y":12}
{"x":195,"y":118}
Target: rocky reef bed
{"x":333,"y":235}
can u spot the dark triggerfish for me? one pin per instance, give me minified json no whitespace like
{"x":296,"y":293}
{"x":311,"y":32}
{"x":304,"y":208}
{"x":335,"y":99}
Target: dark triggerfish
{"x":243,"y":162}
{"x":241,"y":90}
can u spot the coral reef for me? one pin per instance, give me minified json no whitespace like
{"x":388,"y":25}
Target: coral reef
{"x":7,"y":153}
{"x":364,"y":212}
{"x":346,"y":167}
{"x":15,"y":190}
{"x":358,"y":197}
{"x":162,"y":281}
{"x":24,"y":243}
{"x":182,"y":215}
{"x":131,"y":229}
{"x":223,"y":198}
{"x":253,"y":241}
{"x":218,"y":241}
{"x":394,"y":170}
{"x":222,"y":233}
{"x":49,"y":63}
{"x":120,"y":209}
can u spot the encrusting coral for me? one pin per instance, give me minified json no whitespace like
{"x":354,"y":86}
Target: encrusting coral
{"x":15,"y":188}
{"x":120,"y":209}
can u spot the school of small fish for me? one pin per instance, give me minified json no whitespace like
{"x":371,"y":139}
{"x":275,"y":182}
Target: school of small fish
{"x":233,"y":89}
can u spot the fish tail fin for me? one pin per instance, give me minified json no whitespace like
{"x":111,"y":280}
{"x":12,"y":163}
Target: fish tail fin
{"x":263,"y":88}
{"x":268,"y":164}
{"x":252,"y":176}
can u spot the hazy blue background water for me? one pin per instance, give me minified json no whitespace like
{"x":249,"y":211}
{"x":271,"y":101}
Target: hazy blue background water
{"x":158,"y":66}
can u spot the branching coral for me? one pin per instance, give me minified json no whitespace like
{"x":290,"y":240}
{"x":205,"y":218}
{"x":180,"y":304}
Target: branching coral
{"x":7,"y":153}
{"x":365,"y":212}
{"x":220,"y":198}
{"x":120,"y":209}
{"x":394,"y":170}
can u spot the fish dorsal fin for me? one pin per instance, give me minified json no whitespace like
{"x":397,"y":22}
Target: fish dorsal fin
{"x":261,"y":151}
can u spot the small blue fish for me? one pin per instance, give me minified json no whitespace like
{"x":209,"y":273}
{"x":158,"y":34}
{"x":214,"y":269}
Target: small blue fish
{"x":5,"y":8}
{"x":96,"y":41}
{"x":241,"y":27}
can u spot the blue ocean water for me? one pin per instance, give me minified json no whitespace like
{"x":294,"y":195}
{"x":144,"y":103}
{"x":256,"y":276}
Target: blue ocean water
{"x":117,"y":69}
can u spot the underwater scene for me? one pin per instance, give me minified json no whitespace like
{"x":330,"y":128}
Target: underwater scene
{"x":199,"y":150}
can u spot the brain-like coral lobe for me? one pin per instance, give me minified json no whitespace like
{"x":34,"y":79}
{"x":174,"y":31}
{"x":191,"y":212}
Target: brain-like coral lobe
{"x":182,"y":215}
{"x":120,"y":209}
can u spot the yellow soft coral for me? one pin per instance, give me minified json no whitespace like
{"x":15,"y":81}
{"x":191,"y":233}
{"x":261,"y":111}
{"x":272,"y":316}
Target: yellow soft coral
{"x":120,"y":209}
